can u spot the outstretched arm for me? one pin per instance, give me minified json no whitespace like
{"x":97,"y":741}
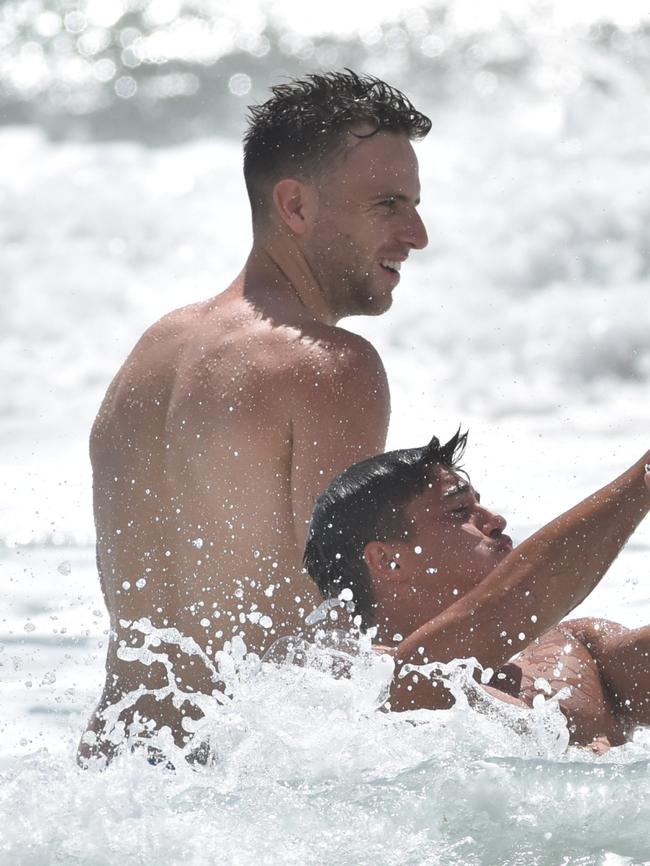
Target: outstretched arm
{"x":535,"y":586}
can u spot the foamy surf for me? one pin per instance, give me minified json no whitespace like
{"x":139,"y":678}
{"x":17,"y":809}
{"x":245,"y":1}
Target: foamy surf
{"x":303,"y":769}
{"x":526,"y":318}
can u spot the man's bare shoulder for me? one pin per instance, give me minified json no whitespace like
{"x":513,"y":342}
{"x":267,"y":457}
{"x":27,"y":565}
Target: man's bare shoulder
{"x":161,"y":341}
{"x":292,"y":352}
{"x":333,"y":354}
{"x":171,"y":330}
{"x":208,"y":350}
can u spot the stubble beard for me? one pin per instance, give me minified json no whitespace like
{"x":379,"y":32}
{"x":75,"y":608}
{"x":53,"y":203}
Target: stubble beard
{"x":352,"y":289}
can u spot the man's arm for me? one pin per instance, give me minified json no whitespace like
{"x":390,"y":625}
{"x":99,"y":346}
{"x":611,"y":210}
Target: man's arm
{"x":340,"y":415}
{"x":534,"y":587}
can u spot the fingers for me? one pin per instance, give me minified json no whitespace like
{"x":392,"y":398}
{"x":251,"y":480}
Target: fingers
{"x":599,"y":745}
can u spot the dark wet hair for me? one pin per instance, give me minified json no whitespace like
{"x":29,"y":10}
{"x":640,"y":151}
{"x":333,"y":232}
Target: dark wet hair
{"x":304,"y":122}
{"x":366,"y":503}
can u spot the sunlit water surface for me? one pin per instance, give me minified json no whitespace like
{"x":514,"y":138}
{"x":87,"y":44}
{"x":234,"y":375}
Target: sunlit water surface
{"x":526,"y":318}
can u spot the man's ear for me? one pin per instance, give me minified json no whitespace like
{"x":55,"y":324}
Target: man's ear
{"x":382,"y":560}
{"x":294,"y":202}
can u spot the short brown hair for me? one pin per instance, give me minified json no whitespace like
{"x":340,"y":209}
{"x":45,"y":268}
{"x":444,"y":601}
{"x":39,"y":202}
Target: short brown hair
{"x":306,"y":120}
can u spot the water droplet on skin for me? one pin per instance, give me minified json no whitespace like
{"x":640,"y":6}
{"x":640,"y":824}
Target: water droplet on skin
{"x":126,"y":585}
{"x":417,"y":549}
{"x":397,"y":637}
{"x":205,"y":622}
{"x":346,"y":594}
{"x":533,"y":618}
{"x":521,"y":636}
{"x":198,"y":543}
{"x":432,"y":571}
{"x":141,"y":583}
{"x":266,"y":622}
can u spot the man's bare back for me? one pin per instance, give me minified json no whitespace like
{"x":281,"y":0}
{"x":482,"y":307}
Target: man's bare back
{"x":231,"y":416}
{"x":204,"y":462}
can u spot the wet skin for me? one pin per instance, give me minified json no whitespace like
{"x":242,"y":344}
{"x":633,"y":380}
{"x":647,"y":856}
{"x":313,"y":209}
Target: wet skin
{"x":454,"y":549}
{"x":230,"y":416}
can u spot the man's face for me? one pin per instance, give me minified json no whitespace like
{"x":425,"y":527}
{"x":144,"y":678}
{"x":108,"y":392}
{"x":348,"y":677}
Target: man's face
{"x":366,"y":223}
{"x":454,"y":542}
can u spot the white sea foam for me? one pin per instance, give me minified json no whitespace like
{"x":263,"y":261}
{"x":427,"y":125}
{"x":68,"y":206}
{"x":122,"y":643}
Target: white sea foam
{"x":303,"y":769}
{"x":526,"y":318}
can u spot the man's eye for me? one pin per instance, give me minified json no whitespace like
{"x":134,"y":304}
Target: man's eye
{"x":389,"y":203}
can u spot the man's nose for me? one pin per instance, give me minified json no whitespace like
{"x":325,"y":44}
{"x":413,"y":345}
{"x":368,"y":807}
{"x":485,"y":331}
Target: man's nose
{"x":414,"y":233}
{"x":493,"y":523}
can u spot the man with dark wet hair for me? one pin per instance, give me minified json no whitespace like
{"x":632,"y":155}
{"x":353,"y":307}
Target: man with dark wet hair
{"x":231,"y":415}
{"x":429,"y":566}
{"x":303,"y":129}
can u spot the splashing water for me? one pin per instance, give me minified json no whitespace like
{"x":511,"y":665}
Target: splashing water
{"x":539,"y":250}
{"x":304,"y":769}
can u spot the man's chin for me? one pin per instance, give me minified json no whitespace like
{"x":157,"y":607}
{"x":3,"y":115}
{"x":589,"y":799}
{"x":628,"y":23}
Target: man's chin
{"x":372,"y":305}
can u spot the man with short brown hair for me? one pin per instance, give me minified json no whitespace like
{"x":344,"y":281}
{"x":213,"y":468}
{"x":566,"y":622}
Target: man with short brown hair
{"x":231,"y":415}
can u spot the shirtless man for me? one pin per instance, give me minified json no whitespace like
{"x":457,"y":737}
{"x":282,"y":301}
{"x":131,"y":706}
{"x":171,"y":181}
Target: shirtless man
{"x":230,"y":416}
{"x":407,"y":533}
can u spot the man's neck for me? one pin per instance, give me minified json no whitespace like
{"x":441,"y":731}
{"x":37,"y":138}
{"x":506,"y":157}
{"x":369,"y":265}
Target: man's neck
{"x":281,"y":269}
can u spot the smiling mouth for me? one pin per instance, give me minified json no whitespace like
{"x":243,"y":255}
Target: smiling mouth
{"x":391,"y":265}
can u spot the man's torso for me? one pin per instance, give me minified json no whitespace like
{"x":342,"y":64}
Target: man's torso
{"x":192,"y":476}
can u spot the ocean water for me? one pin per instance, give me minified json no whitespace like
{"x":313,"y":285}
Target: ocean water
{"x":526,"y":319}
